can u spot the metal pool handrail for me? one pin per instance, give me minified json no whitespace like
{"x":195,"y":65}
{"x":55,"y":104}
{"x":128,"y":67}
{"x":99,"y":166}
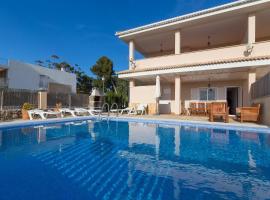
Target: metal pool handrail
{"x":117,"y":110}
{"x":102,"y":108}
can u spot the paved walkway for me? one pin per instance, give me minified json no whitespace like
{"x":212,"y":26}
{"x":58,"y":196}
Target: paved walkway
{"x":193,"y":118}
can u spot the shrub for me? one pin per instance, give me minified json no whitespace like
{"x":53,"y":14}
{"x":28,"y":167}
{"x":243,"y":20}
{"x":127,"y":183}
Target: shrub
{"x":27,"y":106}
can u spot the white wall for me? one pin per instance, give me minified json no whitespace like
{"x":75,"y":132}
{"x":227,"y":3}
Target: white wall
{"x":27,"y":76}
{"x":142,"y":94}
{"x":22,"y":76}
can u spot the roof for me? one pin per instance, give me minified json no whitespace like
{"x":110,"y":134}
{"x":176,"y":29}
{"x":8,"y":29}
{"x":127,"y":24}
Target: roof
{"x":225,"y":61}
{"x":187,"y":16}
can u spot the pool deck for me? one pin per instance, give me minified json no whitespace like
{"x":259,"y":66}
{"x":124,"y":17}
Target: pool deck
{"x":164,"y":119}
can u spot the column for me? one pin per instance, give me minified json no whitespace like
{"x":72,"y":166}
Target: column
{"x":131,"y":85}
{"x":251,"y":29}
{"x":131,"y":53}
{"x":177,"y":42}
{"x":177,"y":95}
{"x":42,"y":100}
{"x":250,"y":81}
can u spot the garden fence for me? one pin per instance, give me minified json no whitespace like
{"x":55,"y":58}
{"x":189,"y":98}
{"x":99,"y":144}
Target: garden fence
{"x":12,"y":99}
{"x":261,"y":88}
{"x":67,"y":100}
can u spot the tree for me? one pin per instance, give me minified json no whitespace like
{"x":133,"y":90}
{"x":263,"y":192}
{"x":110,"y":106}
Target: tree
{"x":84,"y":82}
{"x":39,"y":62}
{"x":116,"y":90}
{"x":55,"y":59}
{"x":103,"y":69}
{"x":65,"y":65}
{"x":49,"y":63}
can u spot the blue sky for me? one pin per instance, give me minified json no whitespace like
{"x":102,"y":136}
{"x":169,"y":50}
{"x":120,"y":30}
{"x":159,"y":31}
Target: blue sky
{"x":81,"y":31}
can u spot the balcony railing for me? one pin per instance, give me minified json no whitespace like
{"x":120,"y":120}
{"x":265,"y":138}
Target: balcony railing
{"x":222,"y":53}
{"x":3,"y":82}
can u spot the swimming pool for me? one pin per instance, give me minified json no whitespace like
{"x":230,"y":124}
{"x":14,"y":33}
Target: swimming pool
{"x":133,"y":160}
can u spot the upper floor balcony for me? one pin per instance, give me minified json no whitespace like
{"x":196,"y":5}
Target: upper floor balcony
{"x":3,"y":78}
{"x":257,"y":49}
{"x":230,"y":35}
{"x":3,"y":82}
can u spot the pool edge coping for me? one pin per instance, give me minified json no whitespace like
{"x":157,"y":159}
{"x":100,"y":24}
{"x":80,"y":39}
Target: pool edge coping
{"x":239,"y":127}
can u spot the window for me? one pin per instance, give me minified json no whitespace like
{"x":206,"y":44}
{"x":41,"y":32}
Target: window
{"x":203,"y":94}
{"x":207,"y":94}
{"x":43,"y":81}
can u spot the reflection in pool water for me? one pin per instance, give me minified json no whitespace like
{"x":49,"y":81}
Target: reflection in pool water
{"x":128,"y":160}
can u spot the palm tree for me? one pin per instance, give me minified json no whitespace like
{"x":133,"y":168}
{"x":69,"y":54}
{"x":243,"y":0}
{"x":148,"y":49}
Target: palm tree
{"x":39,"y":62}
{"x":49,"y":63}
{"x":55,"y":58}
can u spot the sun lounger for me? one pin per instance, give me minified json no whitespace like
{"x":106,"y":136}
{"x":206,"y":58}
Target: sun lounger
{"x":81,"y":111}
{"x":92,"y":112}
{"x":41,"y":113}
{"x":141,"y":109}
{"x":127,"y":110}
{"x":63,"y":111}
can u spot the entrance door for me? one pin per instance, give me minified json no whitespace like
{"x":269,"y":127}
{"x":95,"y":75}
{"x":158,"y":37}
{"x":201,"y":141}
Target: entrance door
{"x":232,"y":99}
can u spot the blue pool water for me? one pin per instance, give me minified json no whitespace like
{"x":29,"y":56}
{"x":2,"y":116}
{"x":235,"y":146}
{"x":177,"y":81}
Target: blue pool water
{"x":131,"y":160}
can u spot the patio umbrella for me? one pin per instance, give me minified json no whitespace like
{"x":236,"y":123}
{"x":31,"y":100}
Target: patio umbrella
{"x":157,"y":93}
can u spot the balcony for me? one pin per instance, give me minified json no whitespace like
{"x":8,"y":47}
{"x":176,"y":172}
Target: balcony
{"x":3,"y":82}
{"x":208,"y":55}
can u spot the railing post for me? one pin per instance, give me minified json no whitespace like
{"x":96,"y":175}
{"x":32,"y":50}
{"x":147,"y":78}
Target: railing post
{"x":42,"y":99}
{"x":2,"y":99}
{"x":69,"y":100}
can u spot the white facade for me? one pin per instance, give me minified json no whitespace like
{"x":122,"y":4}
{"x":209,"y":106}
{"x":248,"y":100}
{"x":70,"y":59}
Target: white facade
{"x":33,"y":77}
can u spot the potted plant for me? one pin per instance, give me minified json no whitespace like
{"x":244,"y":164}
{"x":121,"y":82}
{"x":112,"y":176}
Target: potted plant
{"x":25,"y":108}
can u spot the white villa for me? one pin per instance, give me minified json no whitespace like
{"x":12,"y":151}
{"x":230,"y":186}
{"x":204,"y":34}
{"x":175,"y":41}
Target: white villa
{"x":19,"y":75}
{"x":210,"y":55}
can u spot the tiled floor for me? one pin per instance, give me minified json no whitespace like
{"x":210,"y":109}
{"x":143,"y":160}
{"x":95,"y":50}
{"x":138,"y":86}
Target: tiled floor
{"x":192,"y":118}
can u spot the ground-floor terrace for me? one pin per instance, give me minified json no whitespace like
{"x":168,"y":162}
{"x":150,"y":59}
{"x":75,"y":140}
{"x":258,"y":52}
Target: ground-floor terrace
{"x":179,"y":91}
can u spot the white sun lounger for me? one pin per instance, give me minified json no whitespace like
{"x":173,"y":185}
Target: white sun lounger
{"x":73,"y":112}
{"x":92,"y":112}
{"x":43,"y":114}
{"x":141,"y":109}
{"x":81,"y":110}
{"x":67,"y":110}
{"x":128,"y":110}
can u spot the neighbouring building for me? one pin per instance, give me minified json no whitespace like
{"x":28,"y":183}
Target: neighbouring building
{"x":210,"y":55}
{"x":19,"y":75}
